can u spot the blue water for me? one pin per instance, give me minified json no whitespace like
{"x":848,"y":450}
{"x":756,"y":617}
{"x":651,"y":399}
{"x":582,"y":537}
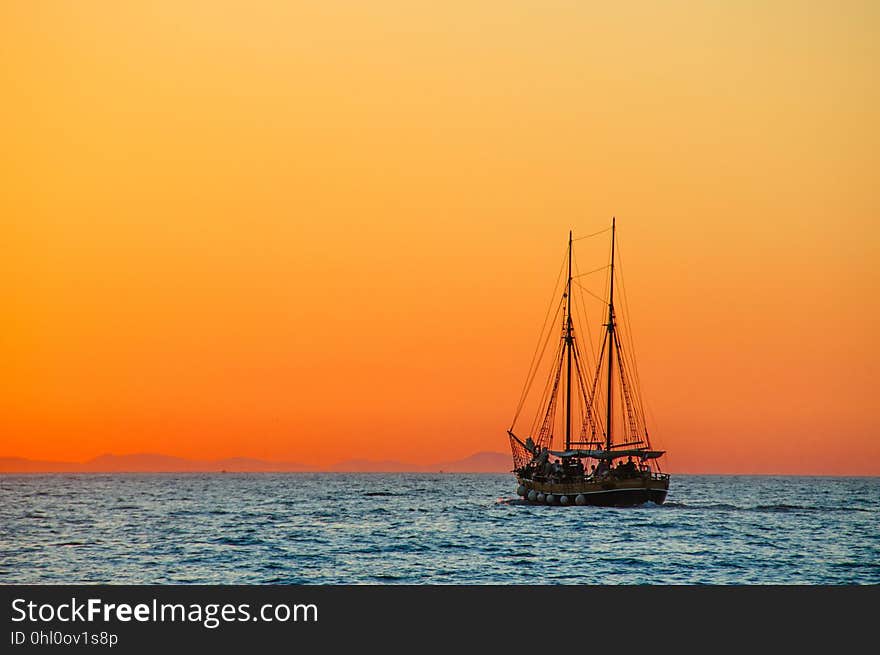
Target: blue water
{"x":437,"y":529}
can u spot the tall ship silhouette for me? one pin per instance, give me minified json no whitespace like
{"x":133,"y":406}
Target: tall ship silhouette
{"x":588,"y":443}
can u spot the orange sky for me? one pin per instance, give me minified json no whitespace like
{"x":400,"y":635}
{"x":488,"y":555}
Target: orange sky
{"x":319,"y":230}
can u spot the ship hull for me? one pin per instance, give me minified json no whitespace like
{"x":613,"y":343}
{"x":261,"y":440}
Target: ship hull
{"x":602,"y":493}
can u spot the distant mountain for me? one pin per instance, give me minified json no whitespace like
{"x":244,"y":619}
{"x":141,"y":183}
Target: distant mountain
{"x":148,"y":463}
{"x":484,"y":462}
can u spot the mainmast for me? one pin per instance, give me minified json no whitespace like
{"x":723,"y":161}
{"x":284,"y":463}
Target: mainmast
{"x":611,"y":338}
{"x":568,"y":344}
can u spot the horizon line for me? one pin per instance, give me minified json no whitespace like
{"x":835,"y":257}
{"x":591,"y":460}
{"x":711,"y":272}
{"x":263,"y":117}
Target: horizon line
{"x":491,"y":465}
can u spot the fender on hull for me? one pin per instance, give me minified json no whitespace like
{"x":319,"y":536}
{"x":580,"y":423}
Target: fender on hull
{"x":605,"y":495}
{"x":616,"y":498}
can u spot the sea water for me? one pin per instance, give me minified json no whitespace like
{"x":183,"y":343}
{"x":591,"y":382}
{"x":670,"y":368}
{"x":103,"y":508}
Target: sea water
{"x":430,"y":529}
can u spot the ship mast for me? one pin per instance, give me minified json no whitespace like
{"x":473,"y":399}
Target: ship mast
{"x":568,"y":340}
{"x":611,"y":339}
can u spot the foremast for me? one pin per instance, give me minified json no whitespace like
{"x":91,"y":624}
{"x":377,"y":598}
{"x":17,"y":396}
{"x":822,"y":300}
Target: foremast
{"x":611,"y":344}
{"x":568,"y":345}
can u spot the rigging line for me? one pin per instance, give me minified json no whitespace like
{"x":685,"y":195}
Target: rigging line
{"x":653,"y":422}
{"x":631,"y":385}
{"x":597,"y":297}
{"x":625,"y":375}
{"x":623,"y":406}
{"x":632,"y":346}
{"x":587,"y":411}
{"x":630,"y":333}
{"x":583,"y":408}
{"x":587,"y":400}
{"x":544,"y":326}
{"x":536,"y":359}
{"x":582,"y":422}
{"x":555,"y":410}
{"x":547,"y":385}
{"x":545,"y":393}
{"x":640,"y":406}
{"x":585,"y":356}
{"x":549,"y":421}
{"x":591,"y":413}
{"x":644,"y":404}
{"x":587,"y":408}
{"x":600,"y":409}
{"x":632,"y":372}
{"x":595,"y":270}
{"x":626,"y":317}
{"x":594,"y":234}
{"x":586,"y":362}
{"x":629,"y":382}
{"x":580,"y":311}
{"x":540,"y":358}
{"x":608,"y":272}
{"x":583,"y":363}
{"x":534,"y":372}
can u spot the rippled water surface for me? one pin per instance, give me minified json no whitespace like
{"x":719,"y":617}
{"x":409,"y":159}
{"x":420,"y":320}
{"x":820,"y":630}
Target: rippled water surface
{"x":438,"y":529}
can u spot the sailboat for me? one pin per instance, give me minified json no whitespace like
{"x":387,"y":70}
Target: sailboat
{"x":607,"y":458}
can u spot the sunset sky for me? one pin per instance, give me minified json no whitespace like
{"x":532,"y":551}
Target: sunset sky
{"x":310,"y":231}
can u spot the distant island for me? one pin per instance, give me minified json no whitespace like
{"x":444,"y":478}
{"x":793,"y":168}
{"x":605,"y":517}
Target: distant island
{"x":482,"y":462}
